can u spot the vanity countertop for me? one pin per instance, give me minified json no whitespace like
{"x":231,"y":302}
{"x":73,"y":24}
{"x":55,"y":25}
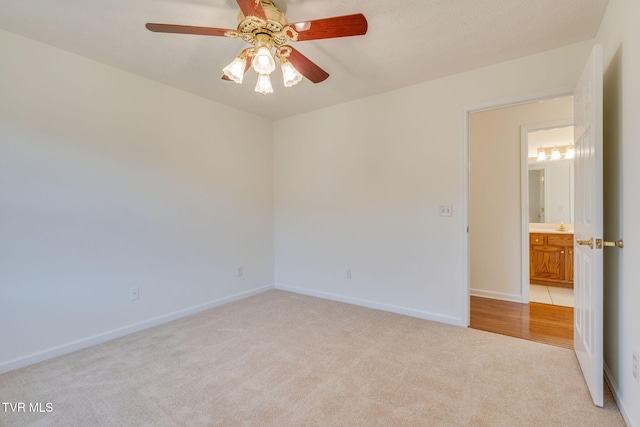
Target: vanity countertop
{"x":550,"y":228}
{"x":549,"y":231}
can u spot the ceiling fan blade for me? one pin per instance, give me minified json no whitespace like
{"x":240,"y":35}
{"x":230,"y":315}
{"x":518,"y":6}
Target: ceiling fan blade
{"x":186,"y":29}
{"x":252,"y":8}
{"x":327,"y":28}
{"x":306,"y":67}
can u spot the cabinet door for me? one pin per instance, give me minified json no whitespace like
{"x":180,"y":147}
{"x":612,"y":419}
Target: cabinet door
{"x":548,"y":262}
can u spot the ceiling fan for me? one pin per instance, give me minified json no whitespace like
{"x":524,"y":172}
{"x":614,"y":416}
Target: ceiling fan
{"x":263,"y":25}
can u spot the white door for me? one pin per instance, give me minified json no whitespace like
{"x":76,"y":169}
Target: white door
{"x":588,"y":269}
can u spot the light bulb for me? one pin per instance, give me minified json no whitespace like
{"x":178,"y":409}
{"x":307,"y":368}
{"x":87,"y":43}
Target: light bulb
{"x":235,"y":70}
{"x":263,"y":62}
{"x":290,"y":75}
{"x":263,"y":85}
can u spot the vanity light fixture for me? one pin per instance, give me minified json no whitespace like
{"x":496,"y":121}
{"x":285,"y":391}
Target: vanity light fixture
{"x":571,"y":152}
{"x":542,"y":156}
{"x":566,"y":152}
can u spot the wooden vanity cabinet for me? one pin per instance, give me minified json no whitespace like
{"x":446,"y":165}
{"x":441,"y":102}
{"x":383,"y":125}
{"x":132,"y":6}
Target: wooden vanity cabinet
{"x":551,"y":259}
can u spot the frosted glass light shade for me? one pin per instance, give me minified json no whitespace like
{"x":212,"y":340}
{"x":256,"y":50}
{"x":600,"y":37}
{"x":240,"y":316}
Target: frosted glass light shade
{"x":264,"y":84}
{"x":571,"y":153}
{"x":542,"y":156}
{"x":235,"y":70}
{"x":263,"y":62}
{"x":290,"y":75}
{"x":555,"y":154}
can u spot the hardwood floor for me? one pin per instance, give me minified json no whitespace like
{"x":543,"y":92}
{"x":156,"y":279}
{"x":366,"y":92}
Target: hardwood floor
{"x":549,"y":324}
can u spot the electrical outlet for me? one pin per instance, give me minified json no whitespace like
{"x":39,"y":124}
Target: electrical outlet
{"x":134,"y":293}
{"x":634,"y":368}
{"x":446,"y":210}
{"x":240,"y":271}
{"x":347,"y":273}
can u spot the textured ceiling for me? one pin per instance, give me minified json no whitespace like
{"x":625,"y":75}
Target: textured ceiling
{"x":426,"y":39}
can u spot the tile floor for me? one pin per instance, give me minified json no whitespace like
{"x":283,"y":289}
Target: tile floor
{"x":551,"y":295}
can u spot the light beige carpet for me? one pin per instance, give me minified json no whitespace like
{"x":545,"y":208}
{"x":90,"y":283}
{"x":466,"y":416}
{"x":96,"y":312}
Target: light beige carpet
{"x":282,"y":359}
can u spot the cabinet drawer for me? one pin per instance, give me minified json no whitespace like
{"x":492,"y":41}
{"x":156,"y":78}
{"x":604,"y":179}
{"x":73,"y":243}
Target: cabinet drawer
{"x":536,"y":239}
{"x":565,"y":240}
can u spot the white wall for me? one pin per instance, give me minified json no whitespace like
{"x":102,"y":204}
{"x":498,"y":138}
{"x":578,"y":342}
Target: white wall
{"x":495,"y":200}
{"x":620,"y":35}
{"x":109,"y":181}
{"x":359,"y":186}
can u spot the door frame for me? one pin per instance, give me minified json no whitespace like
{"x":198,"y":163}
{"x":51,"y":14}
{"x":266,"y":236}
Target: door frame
{"x":466,"y":164}
{"x":524,"y":193}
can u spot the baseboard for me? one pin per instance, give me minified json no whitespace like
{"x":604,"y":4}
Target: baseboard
{"x":495,"y":295}
{"x":120,"y":332}
{"x":613,"y":386}
{"x":450,"y":320}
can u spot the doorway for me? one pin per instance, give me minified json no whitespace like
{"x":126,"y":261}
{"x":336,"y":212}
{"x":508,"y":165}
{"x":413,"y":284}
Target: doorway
{"x":499,"y":202}
{"x":548,"y":211}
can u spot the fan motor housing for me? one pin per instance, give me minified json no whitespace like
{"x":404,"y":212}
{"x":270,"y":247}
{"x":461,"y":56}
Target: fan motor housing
{"x":276,"y":26}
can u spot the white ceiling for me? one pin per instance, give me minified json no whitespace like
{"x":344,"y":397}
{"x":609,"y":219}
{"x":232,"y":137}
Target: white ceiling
{"x":408,"y":42}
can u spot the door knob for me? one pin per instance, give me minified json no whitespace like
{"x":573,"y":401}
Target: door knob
{"x":586,"y":242}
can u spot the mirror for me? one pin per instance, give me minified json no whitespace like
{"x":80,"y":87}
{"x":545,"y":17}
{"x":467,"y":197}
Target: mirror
{"x":551,"y":180}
